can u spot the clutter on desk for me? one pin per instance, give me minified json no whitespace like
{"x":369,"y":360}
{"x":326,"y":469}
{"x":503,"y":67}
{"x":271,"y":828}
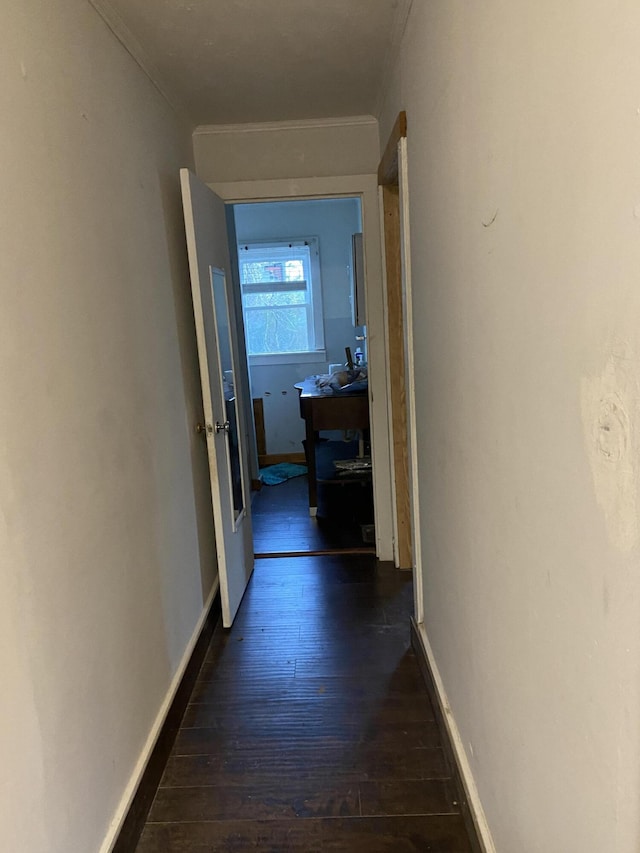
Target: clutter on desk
{"x":356,"y":360}
{"x":345,"y":381}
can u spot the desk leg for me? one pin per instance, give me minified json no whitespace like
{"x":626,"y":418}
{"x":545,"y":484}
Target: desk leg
{"x":311,"y":465}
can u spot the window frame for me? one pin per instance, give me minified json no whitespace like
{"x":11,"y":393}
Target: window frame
{"x":315,"y":315}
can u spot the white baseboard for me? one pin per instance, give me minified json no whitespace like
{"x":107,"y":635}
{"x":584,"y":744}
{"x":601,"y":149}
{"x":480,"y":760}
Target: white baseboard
{"x":473,"y":799}
{"x":141,"y":764}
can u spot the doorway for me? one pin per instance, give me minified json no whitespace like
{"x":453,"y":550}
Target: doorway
{"x":303,"y":323}
{"x":364,"y":187}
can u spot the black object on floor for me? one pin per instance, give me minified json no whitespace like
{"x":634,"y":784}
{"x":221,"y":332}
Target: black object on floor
{"x":282,"y":525}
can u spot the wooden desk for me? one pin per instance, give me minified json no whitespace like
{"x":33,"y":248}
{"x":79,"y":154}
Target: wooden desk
{"x":327,"y":411}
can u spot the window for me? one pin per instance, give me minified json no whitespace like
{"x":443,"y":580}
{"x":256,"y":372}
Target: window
{"x":281,"y":298}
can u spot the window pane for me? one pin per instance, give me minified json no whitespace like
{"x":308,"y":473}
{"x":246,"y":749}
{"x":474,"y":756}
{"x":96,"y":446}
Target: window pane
{"x":292,"y":267}
{"x":278,"y":295}
{"x":273,"y":330}
{"x":294,"y":270}
{"x":291,"y":297}
{"x":251,"y":271}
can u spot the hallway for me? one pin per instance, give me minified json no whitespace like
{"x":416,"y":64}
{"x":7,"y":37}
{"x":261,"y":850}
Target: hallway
{"x":310,"y":728}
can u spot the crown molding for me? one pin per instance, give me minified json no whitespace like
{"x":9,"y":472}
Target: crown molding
{"x":128,"y":40}
{"x":295,"y":124}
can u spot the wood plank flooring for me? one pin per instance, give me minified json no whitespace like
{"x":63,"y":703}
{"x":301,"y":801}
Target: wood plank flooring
{"x":282,"y":525}
{"x":309,"y":728}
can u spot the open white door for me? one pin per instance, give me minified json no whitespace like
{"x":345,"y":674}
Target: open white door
{"x":204,"y":216}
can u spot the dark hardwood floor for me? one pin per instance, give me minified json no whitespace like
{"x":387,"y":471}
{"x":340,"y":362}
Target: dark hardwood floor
{"x":282,"y":525}
{"x":309,"y":728}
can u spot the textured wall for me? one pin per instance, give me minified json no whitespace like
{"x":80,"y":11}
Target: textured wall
{"x":105,"y":562}
{"x":524,"y":131}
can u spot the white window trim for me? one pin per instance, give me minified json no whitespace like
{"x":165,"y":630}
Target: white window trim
{"x":318,"y":353}
{"x":306,"y":357}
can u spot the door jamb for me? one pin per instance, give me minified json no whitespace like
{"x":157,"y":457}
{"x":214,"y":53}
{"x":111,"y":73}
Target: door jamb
{"x":410,"y":381}
{"x":393,"y":170}
{"x":388,"y":181}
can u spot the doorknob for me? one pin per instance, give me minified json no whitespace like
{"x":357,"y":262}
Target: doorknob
{"x":222,"y":427}
{"x":204,"y":431}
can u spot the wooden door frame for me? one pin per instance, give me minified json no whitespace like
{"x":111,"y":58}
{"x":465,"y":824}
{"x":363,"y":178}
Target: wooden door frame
{"x":396,"y":332}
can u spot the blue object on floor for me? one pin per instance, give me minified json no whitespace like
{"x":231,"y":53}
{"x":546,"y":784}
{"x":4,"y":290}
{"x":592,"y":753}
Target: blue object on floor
{"x":281,"y":472}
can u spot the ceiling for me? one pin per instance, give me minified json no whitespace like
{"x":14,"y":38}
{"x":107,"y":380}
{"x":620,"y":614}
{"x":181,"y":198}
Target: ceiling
{"x":238,"y":61}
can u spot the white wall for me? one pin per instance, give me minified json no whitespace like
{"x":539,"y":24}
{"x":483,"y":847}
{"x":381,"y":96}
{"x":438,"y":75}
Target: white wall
{"x":333,"y":221}
{"x":524,"y":131}
{"x":303,"y":149}
{"x":104,"y":561}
